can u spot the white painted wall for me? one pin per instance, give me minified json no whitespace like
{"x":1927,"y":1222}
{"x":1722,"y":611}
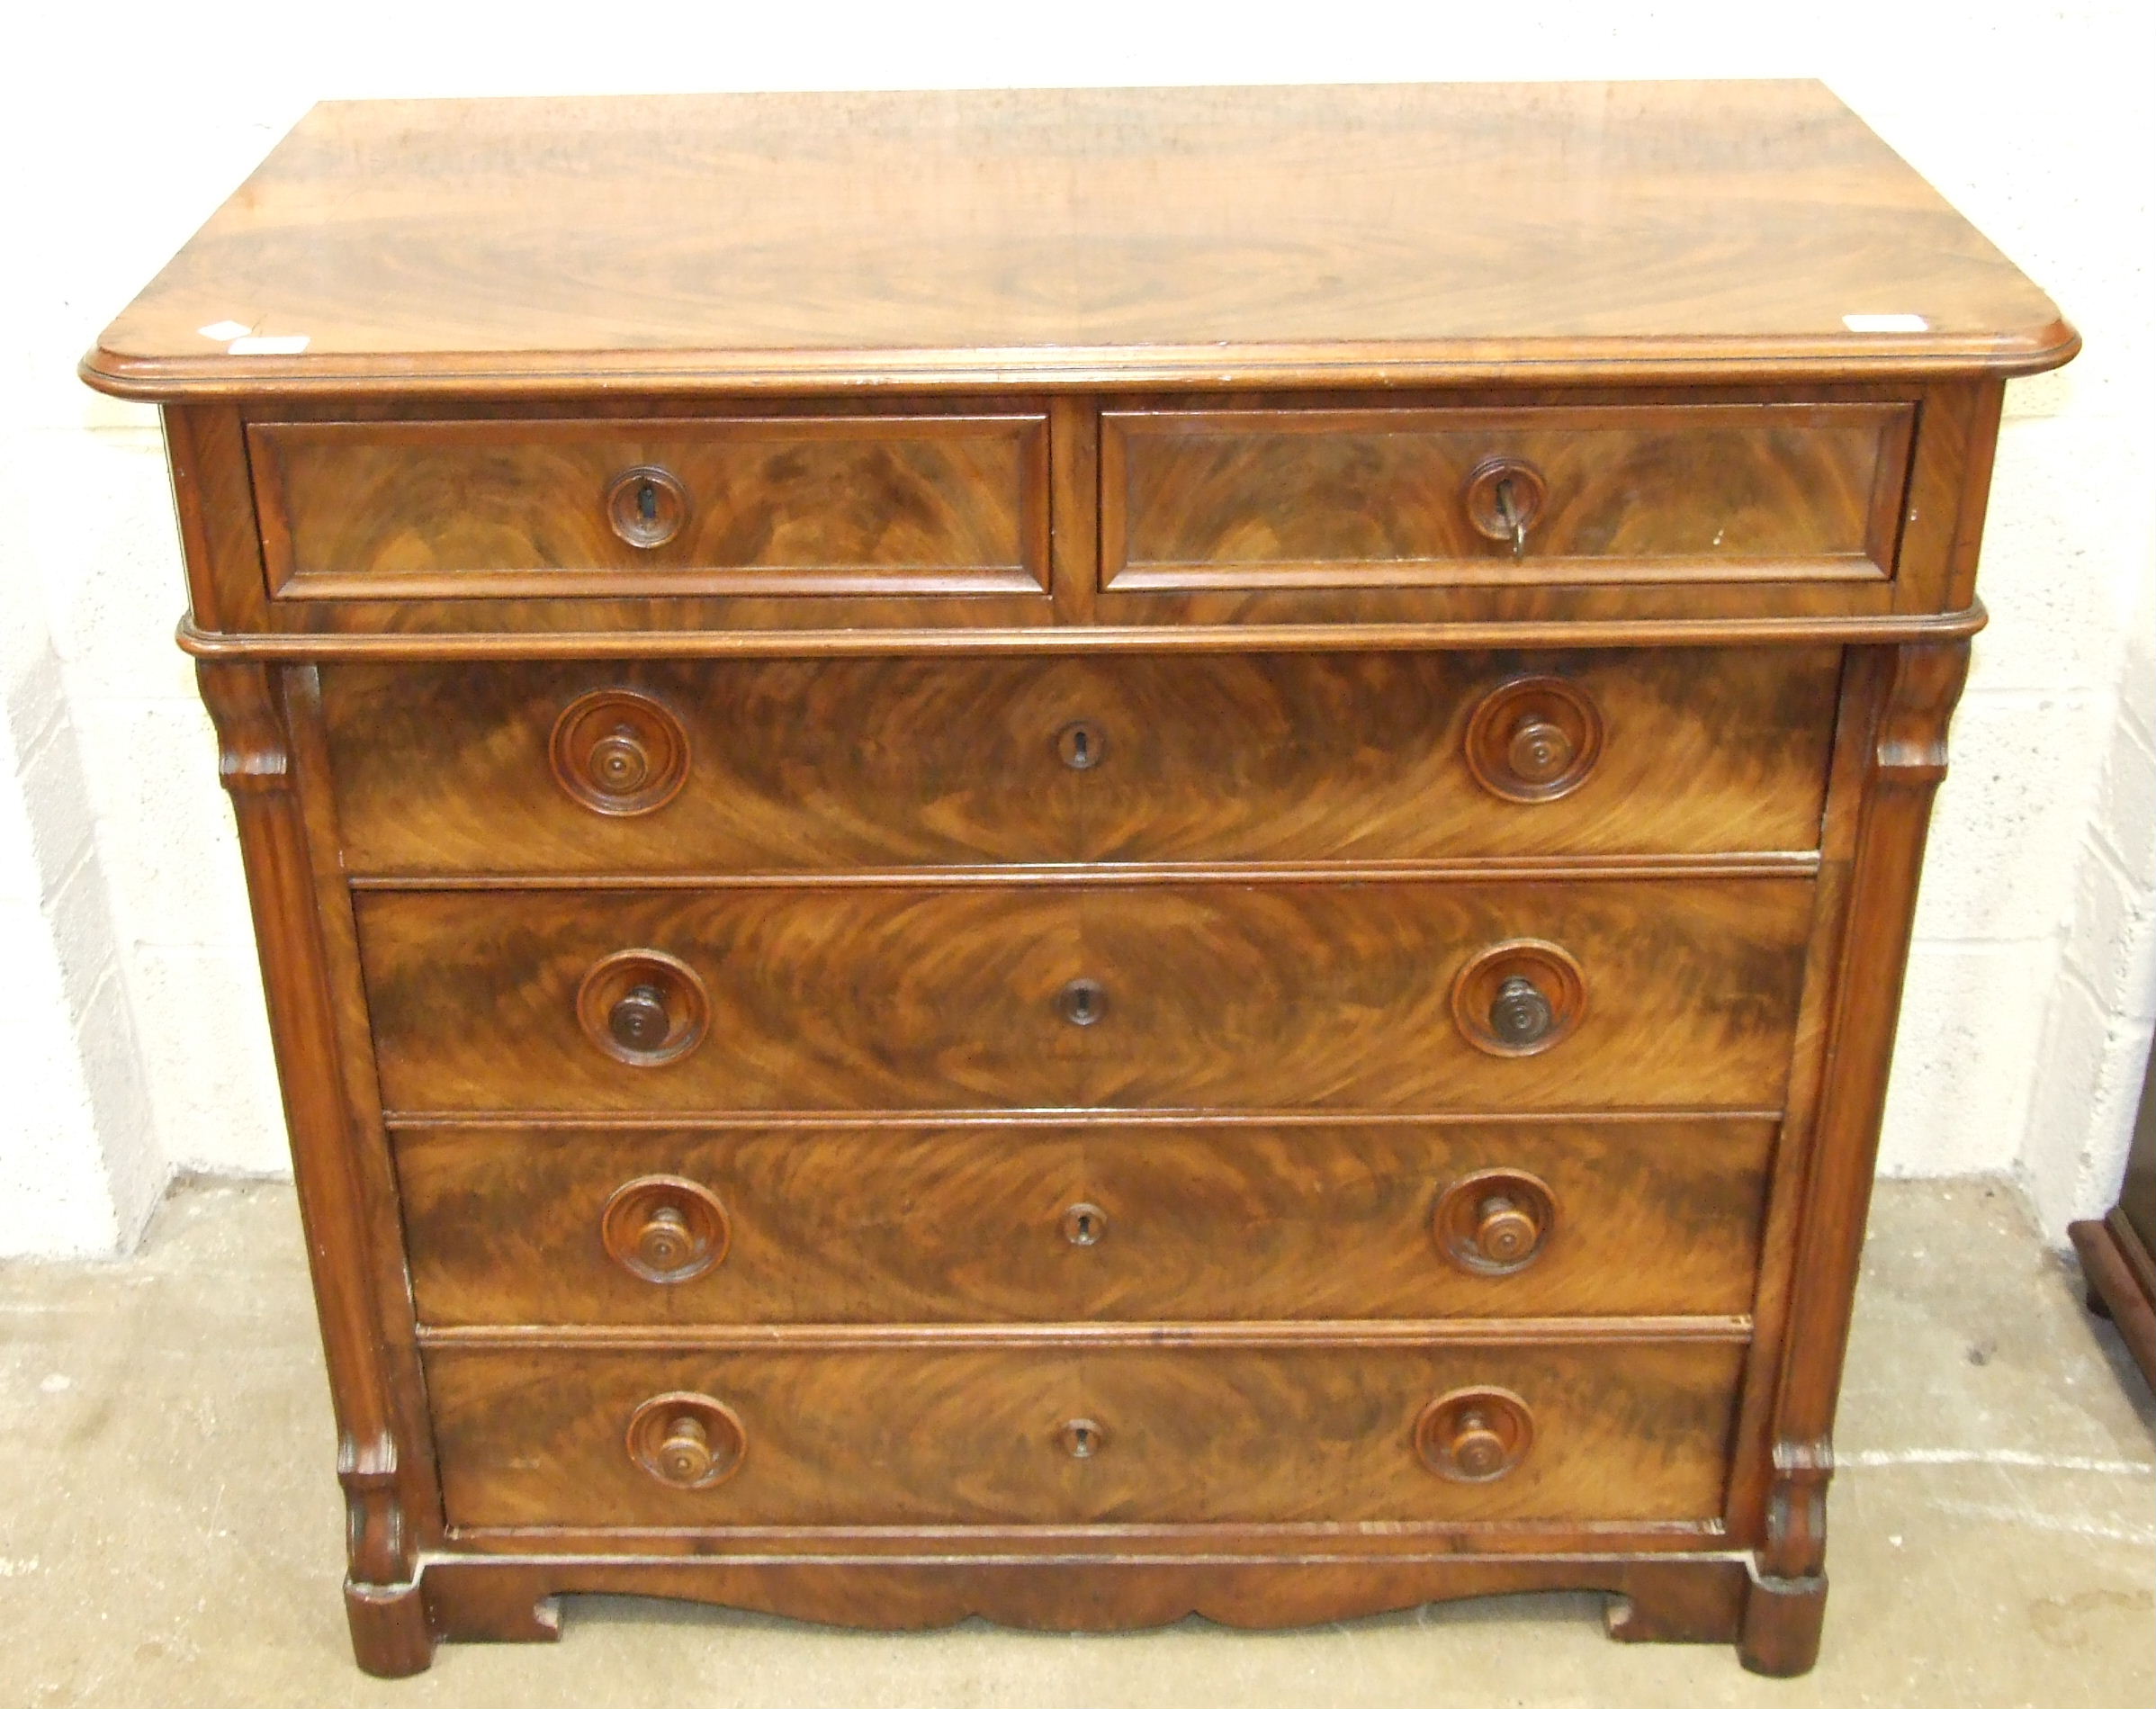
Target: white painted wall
{"x":2033,"y":981}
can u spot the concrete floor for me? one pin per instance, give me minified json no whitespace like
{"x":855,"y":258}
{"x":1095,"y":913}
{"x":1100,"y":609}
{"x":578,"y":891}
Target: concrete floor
{"x":170,"y":1529}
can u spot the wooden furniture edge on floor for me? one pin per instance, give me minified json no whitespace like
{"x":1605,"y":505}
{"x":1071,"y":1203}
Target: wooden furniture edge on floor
{"x":2115,"y":1249}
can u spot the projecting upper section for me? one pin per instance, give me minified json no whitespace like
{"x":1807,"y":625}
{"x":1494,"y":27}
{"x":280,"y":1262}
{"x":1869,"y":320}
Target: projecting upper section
{"x":1022,"y":239}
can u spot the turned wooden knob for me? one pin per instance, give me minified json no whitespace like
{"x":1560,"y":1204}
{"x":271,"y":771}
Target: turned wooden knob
{"x":1519,"y":1014}
{"x":665,"y":1229}
{"x":644,"y":1007}
{"x":1533,"y":739}
{"x":1495,"y":1222}
{"x":689,"y":1441}
{"x":638,"y":1020}
{"x":618,"y":762}
{"x":1475,"y":1446}
{"x":1474,"y":1435}
{"x":683,"y":1453}
{"x":1538,"y":751}
{"x":619,"y":752}
{"x":1519,"y":997}
{"x":664,"y":1243}
{"x":1504,"y":1232}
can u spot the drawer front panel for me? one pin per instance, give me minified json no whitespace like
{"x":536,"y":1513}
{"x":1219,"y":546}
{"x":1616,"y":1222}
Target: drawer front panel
{"x":1161,"y":1222}
{"x":1403,"y":498}
{"x":1180,"y":996}
{"x":795,"y":504}
{"x":790,"y":764}
{"x":531,"y":1436}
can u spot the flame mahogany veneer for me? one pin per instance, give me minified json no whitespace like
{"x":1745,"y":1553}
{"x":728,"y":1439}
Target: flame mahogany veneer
{"x":1084,"y":855}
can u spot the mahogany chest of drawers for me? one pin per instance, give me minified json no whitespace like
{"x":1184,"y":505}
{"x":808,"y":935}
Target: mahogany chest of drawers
{"x":1084,"y":855}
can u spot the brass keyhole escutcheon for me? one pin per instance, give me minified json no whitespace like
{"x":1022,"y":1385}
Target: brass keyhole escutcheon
{"x":1084,"y":1225}
{"x":1081,"y":745}
{"x":1082,"y":1438}
{"x":1083,"y":1002}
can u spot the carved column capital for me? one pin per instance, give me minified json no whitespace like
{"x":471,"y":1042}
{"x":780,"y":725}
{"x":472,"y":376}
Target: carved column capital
{"x":253,"y":746}
{"x":1926,"y":688}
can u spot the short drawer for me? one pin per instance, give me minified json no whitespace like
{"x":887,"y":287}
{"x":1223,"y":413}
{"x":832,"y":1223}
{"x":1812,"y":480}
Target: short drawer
{"x":666,"y":506}
{"x":1116,"y":1221}
{"x":794,"y":764}
{"x":872,"y":1435}
{"x":1411,"y":497}
{"x":1401,"y":995}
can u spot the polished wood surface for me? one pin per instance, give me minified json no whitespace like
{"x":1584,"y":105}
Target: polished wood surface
{"x":857,"y":1223}
{"x":905,"y":761}
{"x":1396,"y":497}
{"x":783,"y":504}
{"x":1234,"y":995}
{"x":1084,"y":855}
{"x":911,"y":1436}
{"x":1119,"y":236}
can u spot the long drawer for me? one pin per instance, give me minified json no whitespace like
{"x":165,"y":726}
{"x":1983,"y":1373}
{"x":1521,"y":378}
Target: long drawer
{"x":1114,"y":1222}
{"x":1403,"y":995}
{"x":869,"y":1436}
{"x":790,"y":764}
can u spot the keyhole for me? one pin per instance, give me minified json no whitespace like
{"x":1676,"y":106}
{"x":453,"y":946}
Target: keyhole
{"x":1084,"y":1224}
{"x":1082,"y":1438}
{"x":1081,"y":746}
{"x":647,"y":502}
{"x":1083,"y":1002}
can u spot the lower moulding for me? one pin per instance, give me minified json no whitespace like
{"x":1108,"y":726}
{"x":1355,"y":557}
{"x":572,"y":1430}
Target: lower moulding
{"x":1689,"y":1598}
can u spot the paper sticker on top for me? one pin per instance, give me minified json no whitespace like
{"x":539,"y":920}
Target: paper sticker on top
{"x":1886,"y":323}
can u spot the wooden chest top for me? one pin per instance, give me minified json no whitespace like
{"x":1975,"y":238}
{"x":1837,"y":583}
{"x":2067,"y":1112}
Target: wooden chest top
{"x":1013,"y":239}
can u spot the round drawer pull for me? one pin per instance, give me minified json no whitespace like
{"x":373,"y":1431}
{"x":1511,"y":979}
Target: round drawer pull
{"x":619,"y":754}
{"x":1083,"y":1002}
{"x":1519,"y":1014}
{"x":1081,"y":745}
{"x":1504,"y":496}
{"x":646,"y":506}
{"x":689,"y":1441}
{"x":1495,"y":1222}
{"x":1082,"y":1438}
{"x":644,"y":1007}
{"x":1519,"y":998}
{"x":638,"y":1020}
{"x":663,"y":1228}
{"x":1474,"y":1435}
{"x":1084,"y":1225}
{"x":1533,"y":739}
